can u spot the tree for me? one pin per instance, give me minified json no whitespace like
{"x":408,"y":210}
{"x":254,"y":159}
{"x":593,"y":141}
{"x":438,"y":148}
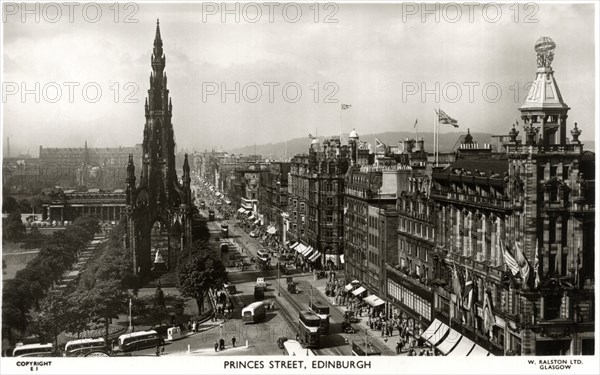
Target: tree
{"x":9,"y":204}
{"x":198,"y":273}
{"x":106,"y":300}
{"x":77,"y":313}
{"x":90,"y":224}
{"x":13,"y":227}
{"x":52,"y":317}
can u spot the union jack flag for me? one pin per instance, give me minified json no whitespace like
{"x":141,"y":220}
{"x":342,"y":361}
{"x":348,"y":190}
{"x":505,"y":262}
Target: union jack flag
{"x":445,"y":119}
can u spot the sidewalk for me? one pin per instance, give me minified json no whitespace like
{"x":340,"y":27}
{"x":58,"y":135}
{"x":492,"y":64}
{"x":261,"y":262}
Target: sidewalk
{"x":387,"y":346}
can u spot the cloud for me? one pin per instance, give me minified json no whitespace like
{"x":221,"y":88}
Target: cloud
{"x":369,"y":56}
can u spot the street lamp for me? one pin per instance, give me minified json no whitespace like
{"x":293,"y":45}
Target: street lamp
{"x":279,"y":277}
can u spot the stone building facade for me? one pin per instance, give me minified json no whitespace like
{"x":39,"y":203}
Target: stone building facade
{"x":518,"y":228}
{"x":316,"y":199}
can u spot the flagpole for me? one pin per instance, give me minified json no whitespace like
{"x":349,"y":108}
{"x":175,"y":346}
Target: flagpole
{"x":434,"y":135}
{"x":341,"y":111}
{"x":417,"y":131}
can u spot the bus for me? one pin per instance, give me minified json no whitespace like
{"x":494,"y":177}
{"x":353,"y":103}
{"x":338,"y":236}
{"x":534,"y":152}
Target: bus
{"x":78,"y":348}
{"x":139,"y":340}
{"x":309,"y":325}
{"x":253,"y":313}
{"x":293,"y":348}
{"x":322,"y":311}
{"x":34,"y":350}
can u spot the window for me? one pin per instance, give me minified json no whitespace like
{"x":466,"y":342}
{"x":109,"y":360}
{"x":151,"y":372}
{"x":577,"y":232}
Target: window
{"x":329,"y":217}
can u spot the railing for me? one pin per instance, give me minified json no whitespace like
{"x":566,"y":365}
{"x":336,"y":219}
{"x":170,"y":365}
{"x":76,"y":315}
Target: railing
{"x":470,"y":198}
{"x":567,"y":148}
{"x":409,"y":279}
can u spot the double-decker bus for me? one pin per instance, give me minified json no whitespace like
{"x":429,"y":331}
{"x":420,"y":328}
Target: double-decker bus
{"x":309,"y":325}
{"x":322,"y":311}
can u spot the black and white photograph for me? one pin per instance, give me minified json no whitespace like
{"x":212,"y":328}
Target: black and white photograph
{"x":215,"y":187}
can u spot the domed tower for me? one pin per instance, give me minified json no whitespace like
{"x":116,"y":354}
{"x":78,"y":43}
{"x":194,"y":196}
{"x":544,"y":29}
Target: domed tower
{"x":551,"y":219}
{"x":159,"y":210}
{"x":544,"y":111}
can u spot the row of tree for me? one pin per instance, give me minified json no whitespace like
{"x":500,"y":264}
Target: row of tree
{"x":100,"y":296}
{"x":31,"y":285}
{"x":25,"y":205}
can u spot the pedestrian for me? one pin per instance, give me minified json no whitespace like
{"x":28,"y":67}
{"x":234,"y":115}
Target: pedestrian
{"x":233,"y":341}
{"x":157,"y":350}
{"x":216,"y":346}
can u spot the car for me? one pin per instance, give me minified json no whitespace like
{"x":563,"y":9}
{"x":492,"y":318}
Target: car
{"x":253,"y":234}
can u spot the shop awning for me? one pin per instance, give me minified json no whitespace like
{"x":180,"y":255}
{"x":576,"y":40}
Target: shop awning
{"x":294,"y":245}
{"x":378,"y":302}
{"x":348,"y":287}
{"x":307,"y":251}
{"x":370,"y":299}
{"x":463,"y":348}
{"x":478,"y":351}
{"x":433,"y":327}
{"x":300,"y":248}
{"x":438,"y":334}
{"x":449,"y":343}
{"x":272,"y":230}
{"x":251,"y":217}
{"x":241,"y":210}
{"x":359,"y":291}
{"x":314,"y":257}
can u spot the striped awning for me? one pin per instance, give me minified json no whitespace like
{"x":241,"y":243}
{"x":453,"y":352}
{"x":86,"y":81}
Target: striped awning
{"x":449,"y":343}
{"x":463,"y":348}
{"x":307,"y":251}
{"x":300,"y":248}
{"x":294,"y":245}
{"x":479,"y":351}
{"x":435,"y":337}
{"x":314,"y":257}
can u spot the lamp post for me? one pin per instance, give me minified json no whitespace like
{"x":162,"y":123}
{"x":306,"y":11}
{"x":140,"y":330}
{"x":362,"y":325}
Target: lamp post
{"x":279,"y":277}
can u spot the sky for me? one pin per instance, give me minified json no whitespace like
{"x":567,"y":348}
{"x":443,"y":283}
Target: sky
{"x":393,"y":63}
